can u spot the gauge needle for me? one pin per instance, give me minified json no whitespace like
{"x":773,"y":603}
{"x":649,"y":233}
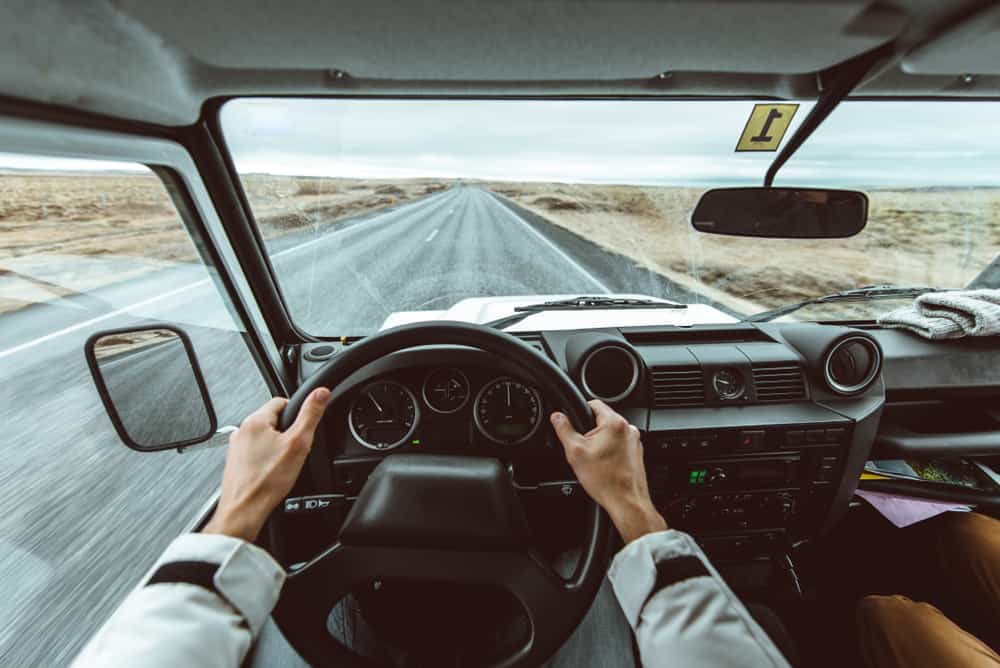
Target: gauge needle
{"x":372,"y":397}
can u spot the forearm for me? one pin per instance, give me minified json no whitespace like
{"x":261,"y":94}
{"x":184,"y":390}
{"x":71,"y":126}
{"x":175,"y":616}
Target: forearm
{"x":681,"y":611}
{"x":204,"y":604}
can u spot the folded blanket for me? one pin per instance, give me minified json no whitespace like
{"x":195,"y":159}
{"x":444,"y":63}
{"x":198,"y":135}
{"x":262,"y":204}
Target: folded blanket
{"x":949,"y":315}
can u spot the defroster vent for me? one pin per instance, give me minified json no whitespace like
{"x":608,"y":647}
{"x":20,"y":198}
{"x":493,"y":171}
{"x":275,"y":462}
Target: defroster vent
{"x":779,"y":383}
{"x":533,"y":339}
{"x":678,"y":387}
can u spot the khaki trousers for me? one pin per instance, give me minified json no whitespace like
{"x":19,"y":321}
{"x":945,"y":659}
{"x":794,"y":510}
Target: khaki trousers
{"x":897,"y":631}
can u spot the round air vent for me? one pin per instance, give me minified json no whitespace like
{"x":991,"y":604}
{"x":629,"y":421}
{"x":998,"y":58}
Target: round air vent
{"x":852,"y":364}
{"x":609,"y":373}
{"x":320,"y":353}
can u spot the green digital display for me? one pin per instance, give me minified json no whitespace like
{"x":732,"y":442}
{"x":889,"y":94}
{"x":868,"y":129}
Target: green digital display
{"x":697,"y":476}
{"x":514,"y":429}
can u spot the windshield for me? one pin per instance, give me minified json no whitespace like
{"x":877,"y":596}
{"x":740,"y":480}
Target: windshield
{"x":372,"y":208}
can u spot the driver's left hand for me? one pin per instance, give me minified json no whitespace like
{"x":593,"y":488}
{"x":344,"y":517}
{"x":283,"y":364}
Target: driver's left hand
{"x":262,"y":464}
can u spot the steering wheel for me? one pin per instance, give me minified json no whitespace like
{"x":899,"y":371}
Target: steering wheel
{"x":453,"y":519}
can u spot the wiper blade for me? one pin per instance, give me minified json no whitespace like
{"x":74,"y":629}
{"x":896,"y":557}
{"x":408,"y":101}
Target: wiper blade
{"x":599,"y":302}
{"x":580,"y":304}
{"x":866,"y":293}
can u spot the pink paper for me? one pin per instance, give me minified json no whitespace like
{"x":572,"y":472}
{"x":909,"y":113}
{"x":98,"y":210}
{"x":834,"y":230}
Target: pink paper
{"x":903,"y":510}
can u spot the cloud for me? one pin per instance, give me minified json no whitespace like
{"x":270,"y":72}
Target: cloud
{"x":643,"y":142}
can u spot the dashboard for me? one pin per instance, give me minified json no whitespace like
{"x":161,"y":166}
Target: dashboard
{"x":754,"y":434}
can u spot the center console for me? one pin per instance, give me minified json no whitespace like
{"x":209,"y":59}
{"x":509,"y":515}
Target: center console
{"x":745,"y":490}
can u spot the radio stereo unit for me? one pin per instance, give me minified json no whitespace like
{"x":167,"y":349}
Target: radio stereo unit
{"x":739,"y":488}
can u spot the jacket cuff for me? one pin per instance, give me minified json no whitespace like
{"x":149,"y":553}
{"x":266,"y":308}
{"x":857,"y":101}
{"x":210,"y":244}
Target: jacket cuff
{"x":642,"y":568}
{"x":244,"y":575}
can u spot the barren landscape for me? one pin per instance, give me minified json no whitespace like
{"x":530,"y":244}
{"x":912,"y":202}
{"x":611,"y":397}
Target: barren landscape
{"x":348,"y":253}
{"x":59,"y":230}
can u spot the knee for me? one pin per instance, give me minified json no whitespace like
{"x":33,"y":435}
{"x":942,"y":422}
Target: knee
{"x":971,"y":528}
{"x":880,"y":611}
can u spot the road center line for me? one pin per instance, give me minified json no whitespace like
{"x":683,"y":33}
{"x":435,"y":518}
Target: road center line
{"x":431,"y":236}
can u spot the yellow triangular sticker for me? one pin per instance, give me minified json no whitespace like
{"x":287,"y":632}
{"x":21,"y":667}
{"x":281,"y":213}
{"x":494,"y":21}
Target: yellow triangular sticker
{"x":766,"y":127}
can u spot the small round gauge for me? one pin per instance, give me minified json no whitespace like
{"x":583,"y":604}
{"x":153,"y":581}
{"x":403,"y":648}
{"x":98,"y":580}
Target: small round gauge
{"x":446,"y":390}
{"x":728,"y":384}
{"x":507,"y":411}
{"x":384,"y":415}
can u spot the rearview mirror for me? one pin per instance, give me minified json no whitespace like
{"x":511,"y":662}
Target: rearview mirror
{"x":151,"y":386}
{"x":781,"y":213}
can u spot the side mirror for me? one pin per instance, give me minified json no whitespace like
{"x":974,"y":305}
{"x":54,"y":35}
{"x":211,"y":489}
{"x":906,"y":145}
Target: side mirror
{"x":781,"y":213}
{"x":152,"y":387}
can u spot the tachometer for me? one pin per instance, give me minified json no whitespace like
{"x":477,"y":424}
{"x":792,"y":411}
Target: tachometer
{"x":507,"y":411}
{"x":384,"y":415}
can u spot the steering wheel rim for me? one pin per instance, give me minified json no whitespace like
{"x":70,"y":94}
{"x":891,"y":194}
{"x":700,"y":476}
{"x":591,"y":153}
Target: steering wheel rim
{"x":554,"y":605}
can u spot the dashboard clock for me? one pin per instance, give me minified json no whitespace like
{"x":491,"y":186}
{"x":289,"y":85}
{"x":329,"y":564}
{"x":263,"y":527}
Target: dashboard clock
{"x":728,"y":384}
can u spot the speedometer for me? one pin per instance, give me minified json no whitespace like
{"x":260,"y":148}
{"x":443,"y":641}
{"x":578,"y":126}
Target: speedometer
{"x":384,"y":415}
{"x":507,"y":411}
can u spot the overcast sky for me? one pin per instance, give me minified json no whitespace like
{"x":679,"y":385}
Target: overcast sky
{"x":641,"y":142}
{"x":652,"y":142}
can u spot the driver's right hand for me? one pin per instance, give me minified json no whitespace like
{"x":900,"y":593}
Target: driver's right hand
{"x":607,"y":461}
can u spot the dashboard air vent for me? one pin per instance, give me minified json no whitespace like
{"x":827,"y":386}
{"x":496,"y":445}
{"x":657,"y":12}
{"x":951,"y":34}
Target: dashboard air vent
{"x":533,"y":339}
{"x":782,"y":382}
{"x":852,"y":364}
{"x":678,"y":387}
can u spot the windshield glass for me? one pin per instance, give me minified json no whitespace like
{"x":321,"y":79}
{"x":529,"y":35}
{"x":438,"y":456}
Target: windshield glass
{"x":369,"y":208}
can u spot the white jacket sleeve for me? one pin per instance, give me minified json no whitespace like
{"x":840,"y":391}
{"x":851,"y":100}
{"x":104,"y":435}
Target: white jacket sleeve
{"x":206,"y":600}
{"x":681,"y":611}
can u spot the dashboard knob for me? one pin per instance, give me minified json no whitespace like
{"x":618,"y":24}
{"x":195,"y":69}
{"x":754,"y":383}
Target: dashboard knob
{"x":717,"y":475}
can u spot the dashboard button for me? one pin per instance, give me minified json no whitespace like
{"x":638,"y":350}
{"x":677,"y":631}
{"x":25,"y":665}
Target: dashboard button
{"x":795,"y":437}
{"x":751,"y":439}
{"x":703,"y":443}
{"x":824,"y":475}
{"x":815,"y":436}
{"x":301,"y":505}
{"x":563,"y":490}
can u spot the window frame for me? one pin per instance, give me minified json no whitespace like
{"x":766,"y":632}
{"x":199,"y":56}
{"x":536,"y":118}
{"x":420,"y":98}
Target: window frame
{"x":43,"y":131}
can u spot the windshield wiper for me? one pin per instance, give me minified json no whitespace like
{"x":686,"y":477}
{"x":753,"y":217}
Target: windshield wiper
{"x":865,"y":293}
{"x":579,"y":304}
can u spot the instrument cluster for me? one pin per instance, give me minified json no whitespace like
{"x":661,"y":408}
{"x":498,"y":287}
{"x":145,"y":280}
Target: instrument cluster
{"x":430,"y":408}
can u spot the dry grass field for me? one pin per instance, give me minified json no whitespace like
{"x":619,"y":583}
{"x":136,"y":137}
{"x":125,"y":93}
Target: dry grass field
{"x":940,"y":237}
{"x":57,"y":232}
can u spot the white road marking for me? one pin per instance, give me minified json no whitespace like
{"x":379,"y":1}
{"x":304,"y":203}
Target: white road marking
{"x":558,"y":251}
{"x":106,"y":316}
{"x":152,"y":300}
{"x":431,"y":236}
{"x":306,"y":244}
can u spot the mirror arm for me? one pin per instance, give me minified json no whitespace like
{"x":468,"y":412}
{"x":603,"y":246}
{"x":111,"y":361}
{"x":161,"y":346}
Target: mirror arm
{"x":214,"y":442}
{"x":843,"y":79}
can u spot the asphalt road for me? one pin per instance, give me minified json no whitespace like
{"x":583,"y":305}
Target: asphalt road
{"x":84,"y":517}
